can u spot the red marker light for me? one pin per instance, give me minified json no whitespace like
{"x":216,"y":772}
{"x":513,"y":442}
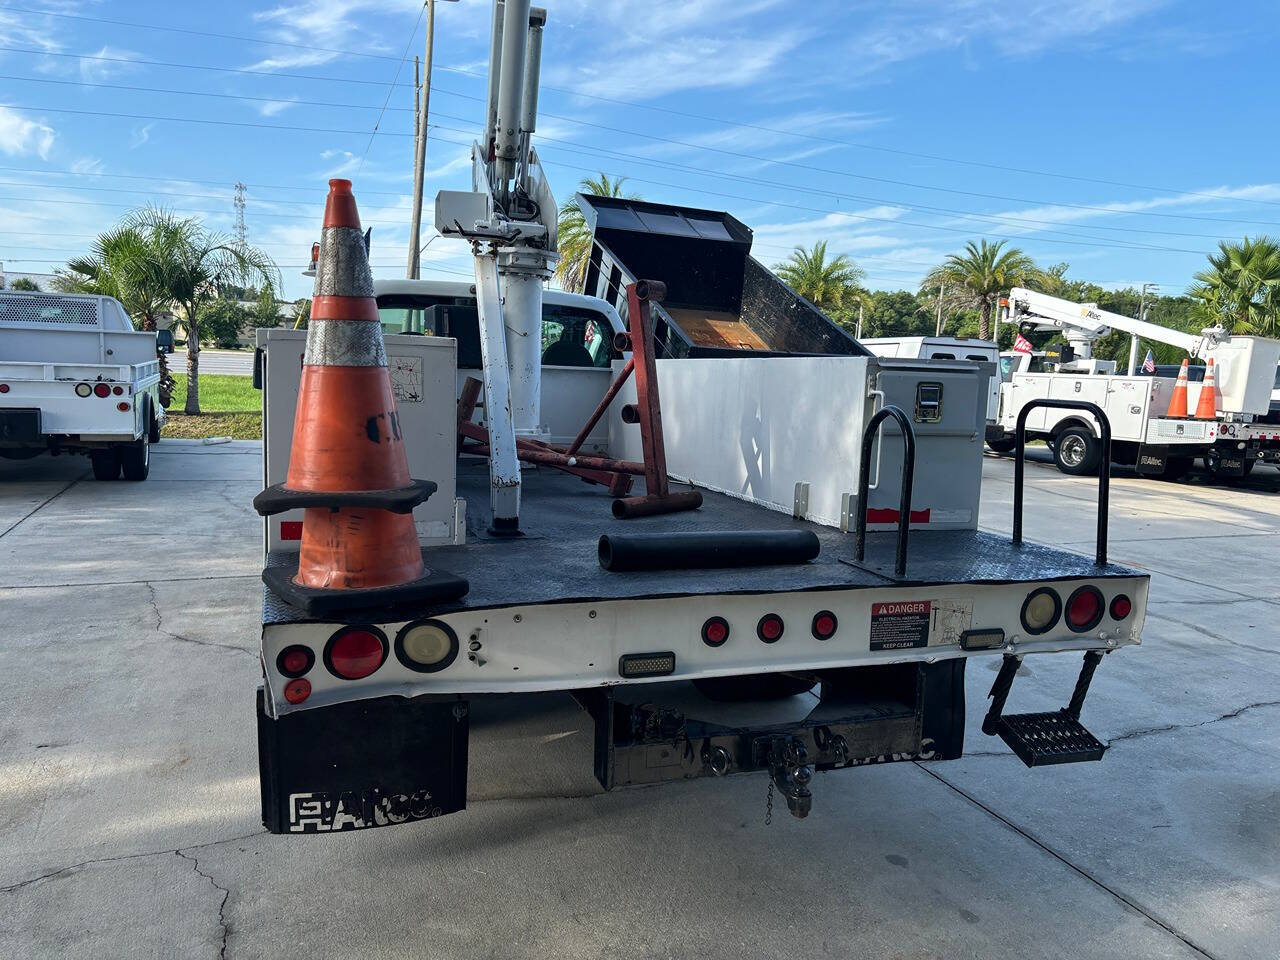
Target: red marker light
{"x":101,"y":390}
{"x":1121,"y":607}
{"x":355,"y":652}
{"x":117,"y":390}
{"x":295,"y":691}
{"x":295,"y":661}
{"x":122,"y":406}
{"x":4,"y":388}
{"x":715,"y":631}
{"x":824,"y":625}
{"x":769,"y":629}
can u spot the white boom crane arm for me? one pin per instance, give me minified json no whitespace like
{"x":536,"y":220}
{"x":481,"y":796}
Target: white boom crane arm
{"x":509,"y":217}
{"x":1083,"y":323}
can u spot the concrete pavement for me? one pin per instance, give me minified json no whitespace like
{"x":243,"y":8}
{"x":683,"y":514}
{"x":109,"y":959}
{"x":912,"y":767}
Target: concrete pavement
{"x":129,"y":818}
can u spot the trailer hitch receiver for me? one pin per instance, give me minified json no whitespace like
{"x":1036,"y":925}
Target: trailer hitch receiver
{"x":789,"y":771}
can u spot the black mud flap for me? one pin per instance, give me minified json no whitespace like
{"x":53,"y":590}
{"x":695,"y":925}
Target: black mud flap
{"x":1152,"y":460}
{"x":20,"y":425}
{"x":368,"y":763}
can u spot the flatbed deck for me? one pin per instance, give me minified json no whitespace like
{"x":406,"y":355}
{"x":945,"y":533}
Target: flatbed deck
{"x":563,"y":518}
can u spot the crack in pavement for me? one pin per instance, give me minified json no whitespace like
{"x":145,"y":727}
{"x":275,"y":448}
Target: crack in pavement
{"x":222,"y":905}
{"x":1204,"y":632}
{"x":155,"y":608}
{"x":1129,"y":902}
{"x":127,"y":856}
{"x":14,"y":526}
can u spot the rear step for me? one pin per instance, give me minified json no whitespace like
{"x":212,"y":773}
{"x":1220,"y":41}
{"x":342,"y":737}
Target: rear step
{"x":1041,"y":739}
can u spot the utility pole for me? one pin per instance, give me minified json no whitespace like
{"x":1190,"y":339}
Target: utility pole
{"x":1142,"y":315}
{"x":420,"y":153}
{"x":942,"y":289}
{"x":858,"y":335}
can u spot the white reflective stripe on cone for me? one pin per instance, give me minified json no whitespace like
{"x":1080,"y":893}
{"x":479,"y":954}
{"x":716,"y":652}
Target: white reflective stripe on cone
{"x":342,"y":269}
{"x":344,"y":343}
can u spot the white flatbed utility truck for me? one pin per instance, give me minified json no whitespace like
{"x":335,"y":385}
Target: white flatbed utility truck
{"x":835,"y":550}
{"x":1144,"y":436}
{"x":75,"y":377}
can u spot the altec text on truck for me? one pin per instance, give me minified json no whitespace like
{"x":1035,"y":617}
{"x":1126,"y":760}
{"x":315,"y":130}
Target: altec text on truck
{"x":807,"y":523}
{"x":75,"y":377}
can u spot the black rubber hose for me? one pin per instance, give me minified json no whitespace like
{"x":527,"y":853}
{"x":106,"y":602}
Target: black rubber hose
{"x":689,"y":551}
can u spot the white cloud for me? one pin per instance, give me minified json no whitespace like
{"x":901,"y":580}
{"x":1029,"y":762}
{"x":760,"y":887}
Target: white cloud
{"x":21,"y":136}
{"x":337,"y":24}
{"x":140,"y":135}
{"x":87,"y":165}
{"x":274,"y":107}
{"x":99,"y":71}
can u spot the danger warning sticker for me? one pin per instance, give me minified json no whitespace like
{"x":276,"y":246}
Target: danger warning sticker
{"x":907,"y":624}
{"x":901,"y":625}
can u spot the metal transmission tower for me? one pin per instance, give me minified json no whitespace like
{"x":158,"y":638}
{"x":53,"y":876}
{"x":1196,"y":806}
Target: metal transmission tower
{"x":239,"y":202}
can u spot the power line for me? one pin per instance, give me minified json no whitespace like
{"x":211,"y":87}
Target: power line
{"x":643,"y":106}
{"x":183,"y":179}
{"x":391,"y":88}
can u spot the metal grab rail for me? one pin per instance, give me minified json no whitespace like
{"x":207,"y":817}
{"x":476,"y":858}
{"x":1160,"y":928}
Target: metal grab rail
{"x":908,"y":476}
{"x":1104,"y":468}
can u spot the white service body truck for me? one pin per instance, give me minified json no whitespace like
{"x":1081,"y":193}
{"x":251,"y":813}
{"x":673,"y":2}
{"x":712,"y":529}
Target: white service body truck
{"x":75,"y":377}
{"x":875,"y":464}
{"x":1143,"y":435}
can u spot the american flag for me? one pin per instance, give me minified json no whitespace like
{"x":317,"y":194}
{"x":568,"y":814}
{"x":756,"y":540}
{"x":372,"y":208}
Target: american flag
{"x":1149,"y":364}
{"x":1022,"y":345}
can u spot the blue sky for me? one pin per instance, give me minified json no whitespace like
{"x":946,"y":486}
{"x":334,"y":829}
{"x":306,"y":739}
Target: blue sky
{"x":1122,"y":136}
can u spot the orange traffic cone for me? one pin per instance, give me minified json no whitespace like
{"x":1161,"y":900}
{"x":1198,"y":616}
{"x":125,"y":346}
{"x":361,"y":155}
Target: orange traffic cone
{"x":347,"y":465}
{"x":1178,"y":402}
{"x":1207,"y":407}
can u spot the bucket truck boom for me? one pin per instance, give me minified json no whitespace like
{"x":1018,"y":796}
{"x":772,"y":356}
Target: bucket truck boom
{"x":509,"y":218}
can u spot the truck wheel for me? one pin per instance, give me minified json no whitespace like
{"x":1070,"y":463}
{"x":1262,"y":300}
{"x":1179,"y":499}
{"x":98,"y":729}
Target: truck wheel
{"x":1076,"y":452}
{"x":135,"y":459}
{"x":1175,"y":468}
{"x":1213,"y":464}
{"x":1003,"y":445}
{"x":763,"y":686}
{"x":106,"y":464}
{"x":153,"y":424}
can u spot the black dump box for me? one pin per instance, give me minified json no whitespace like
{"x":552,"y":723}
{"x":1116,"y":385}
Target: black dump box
{"x":720,"y":301}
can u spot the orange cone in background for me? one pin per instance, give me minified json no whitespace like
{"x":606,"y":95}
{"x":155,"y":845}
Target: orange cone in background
{"x":347,"y":466}
{"x":1207,"y":407}
{"x":1178,"y":402}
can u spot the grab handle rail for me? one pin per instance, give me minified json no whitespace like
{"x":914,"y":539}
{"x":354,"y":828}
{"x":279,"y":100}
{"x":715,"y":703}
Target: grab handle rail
{"x":1104,"y":467}
{"x":908,"y":476}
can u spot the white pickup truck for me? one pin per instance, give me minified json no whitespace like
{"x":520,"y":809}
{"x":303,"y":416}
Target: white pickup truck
{"x":75,"y":377}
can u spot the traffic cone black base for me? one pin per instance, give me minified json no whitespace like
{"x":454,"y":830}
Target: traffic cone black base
{"x":435,"y":587}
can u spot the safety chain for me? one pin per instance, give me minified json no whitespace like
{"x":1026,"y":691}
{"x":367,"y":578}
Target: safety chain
{"x":768,"y":804}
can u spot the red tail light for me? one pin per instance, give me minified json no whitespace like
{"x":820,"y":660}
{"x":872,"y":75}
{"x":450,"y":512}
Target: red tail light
{"x":4,"y":388}
{"x":294,"y":661}
{"x":1084,"y":609}
{"x":715,"y":631}
{"x":117,"y":390}
{"x":769,"y":629}
{"x":101,"y":390}
{"x":353,"y":653}
{"x":1121,"y":607}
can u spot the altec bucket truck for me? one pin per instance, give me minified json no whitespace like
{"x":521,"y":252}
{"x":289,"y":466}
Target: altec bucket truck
{"x":1143,"y":435}
{"x":827,"y":540}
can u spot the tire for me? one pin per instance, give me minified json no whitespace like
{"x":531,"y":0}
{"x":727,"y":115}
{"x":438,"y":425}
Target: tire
{"x":135,"y":460}
{"x":1003,"y":445}
{"x":1076,"y":452}
{"x":1211,"y":466}
{"x":106,"y":464}
{"x":153,"y":424}
{"x":762,"y":686}
{"x":1176,"y":468}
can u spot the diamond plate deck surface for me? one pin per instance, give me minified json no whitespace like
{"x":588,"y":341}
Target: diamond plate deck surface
{"x":564,"y":518}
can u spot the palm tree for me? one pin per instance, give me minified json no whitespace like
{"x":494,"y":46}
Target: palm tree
{"x":126,"y":263}
{"x":573,"y":239}
{"x":828,"y":284}
{"x":1241,"y":288}
{"x":981,"y":274}
{"x":196,"y":265}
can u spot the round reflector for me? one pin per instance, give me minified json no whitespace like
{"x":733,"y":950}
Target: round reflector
{"x":1121,"y":607}
{"x":83,"y":390}
{"x":4,"y":388}
{"x":1084,"y":609}
{"x":1040,"y":610}
{"x":824,"y":625}
{"x":295,"y":691}
{"x":122,"y":406}
{"x":355,"y":652}
{"x":715,"y":631}
{"x":294,"y":661}
{"x":101,"y":390}
{"x":769,"y":629}
{"x":426,"y":646}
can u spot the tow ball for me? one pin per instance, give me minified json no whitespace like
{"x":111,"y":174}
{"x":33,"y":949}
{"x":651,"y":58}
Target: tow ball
{"x":789,"y":771}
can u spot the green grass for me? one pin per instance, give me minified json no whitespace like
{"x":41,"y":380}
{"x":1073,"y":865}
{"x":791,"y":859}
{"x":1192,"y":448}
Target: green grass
{"x":229,"y":404}
{"x":219,"y":393}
